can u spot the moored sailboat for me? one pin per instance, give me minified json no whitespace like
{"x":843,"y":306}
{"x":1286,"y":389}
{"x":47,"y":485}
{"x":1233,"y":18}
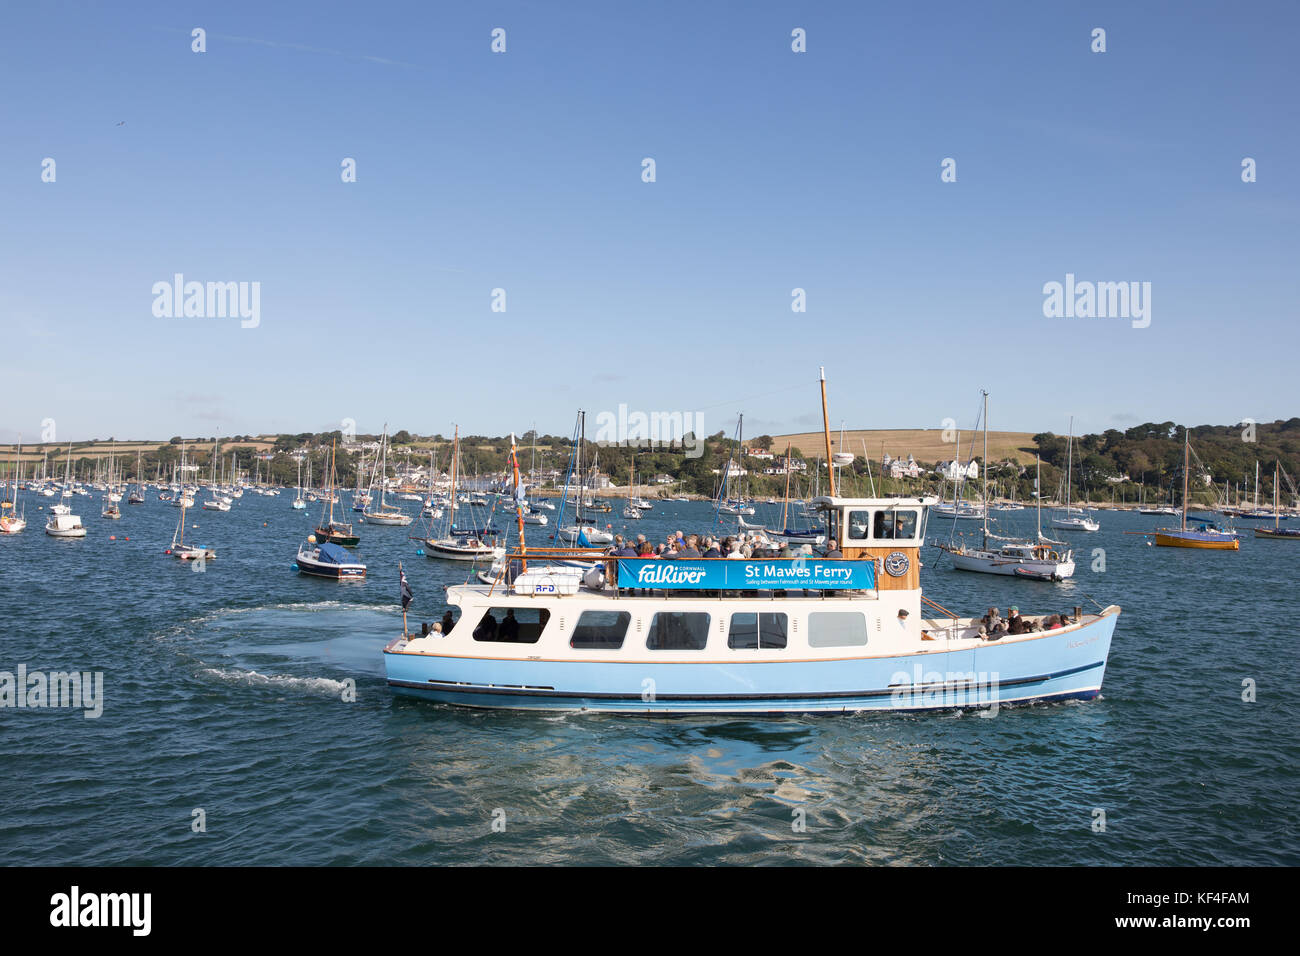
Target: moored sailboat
{"x":329,"y":530}
{"x":1277,"y":532}
{"x":1072,"y":519}
{"x":1035,"y":560}
{"x":1205,"y":535}
{"x":464,"y":546}
{"x":12,"y":519}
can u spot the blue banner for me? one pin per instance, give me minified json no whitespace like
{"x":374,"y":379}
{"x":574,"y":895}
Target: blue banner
{"x":719,"y":574}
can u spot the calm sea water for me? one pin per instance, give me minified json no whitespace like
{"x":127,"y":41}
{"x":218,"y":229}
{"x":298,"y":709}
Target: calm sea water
{"x":224,"y":691}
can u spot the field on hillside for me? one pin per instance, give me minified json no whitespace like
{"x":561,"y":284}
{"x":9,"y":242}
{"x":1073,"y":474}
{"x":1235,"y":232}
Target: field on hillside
{"x":924,"y":444}
{"x":93,"y":449}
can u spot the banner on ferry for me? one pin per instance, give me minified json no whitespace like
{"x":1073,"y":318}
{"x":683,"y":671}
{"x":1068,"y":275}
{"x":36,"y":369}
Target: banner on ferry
{"x":737,"y":575}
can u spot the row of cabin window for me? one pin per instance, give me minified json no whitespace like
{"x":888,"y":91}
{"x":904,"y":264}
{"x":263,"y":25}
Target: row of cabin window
{"x":675,"y":630}
{"x":887,"y":525}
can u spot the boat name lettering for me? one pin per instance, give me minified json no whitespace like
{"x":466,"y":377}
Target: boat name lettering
{"x":746,"y":575}
{"x":667,"y":574}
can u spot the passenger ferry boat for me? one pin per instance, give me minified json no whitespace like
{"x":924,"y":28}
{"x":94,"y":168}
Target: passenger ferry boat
{"x":744,"y":636}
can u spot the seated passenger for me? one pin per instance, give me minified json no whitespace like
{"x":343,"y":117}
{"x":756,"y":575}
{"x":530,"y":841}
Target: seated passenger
{"x":487,"y":628}
{"x":509,"y":627}
{"x":1015,"y":623}
{"x":447,"y":623}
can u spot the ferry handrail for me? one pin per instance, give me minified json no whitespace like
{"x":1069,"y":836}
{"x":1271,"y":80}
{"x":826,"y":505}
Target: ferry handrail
{"x":939,"y":607}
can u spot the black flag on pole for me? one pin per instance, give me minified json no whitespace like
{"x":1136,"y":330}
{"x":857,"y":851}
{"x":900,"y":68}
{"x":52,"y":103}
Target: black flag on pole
{"x":406,"y":589}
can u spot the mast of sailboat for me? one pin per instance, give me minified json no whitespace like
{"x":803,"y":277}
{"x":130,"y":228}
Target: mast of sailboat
{"x":582,"y":476}
{"x":329,"y":491}
{"x":1038,"y":493}
{"x":1069,"y":468}
{"x":519,"y":505}
{"x":1186,"y":463}
{"x":986,"y":469}
{"x":455,"y":457}
{"x":383,"y":469}
{"x":1275,"y":467}
{"x":785,"y":502}
{"x":826,"y":430}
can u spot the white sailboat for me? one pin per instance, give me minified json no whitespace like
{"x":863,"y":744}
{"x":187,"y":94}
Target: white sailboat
{"x":1035,"y":560}
{"x":384,"y":515}
{"x":62,"y":523}
{"x":299,"y":503}
{"x":1072,"y":519}
{"x":137,"y":497}
{"x":187,"y":552}
{"x":451,"y":546}
{"x":13,"y":520}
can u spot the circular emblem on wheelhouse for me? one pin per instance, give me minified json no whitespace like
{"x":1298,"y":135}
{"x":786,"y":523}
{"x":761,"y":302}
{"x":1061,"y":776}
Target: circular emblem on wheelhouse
{"x":896,"y":564}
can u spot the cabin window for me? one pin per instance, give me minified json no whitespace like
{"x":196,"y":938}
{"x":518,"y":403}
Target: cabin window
{"x":512,"y":625}
{"x":678,"y":631}
{"x":837,"y":629}
{"x":859,"y":528}
{"x":600,"y":630}
{"x":896,"y":523}
{"x":750,"y":631}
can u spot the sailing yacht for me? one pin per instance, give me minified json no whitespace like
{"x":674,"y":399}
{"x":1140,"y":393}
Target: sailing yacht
{"x":1033,"y":560}
{"x":631,"y":512}
{"x":12,"y":521}
{"x":330,"y":531}
{"x":579,"y":534}
{"x":1205,"y":535}
{"x":137,"y":496}
{"x":299,"y":503}
{"x":1072,"y":519}
{"x":62,"y":523}
{"x":187,"y":552}
{"x":384,"y":515}
{"x":788,"y":534}
{"x":1277,"y":532}
{"x":463,"y":546}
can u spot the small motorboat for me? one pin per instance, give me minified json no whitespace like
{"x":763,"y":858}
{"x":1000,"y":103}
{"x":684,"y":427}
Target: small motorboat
{"x":327,"y":560}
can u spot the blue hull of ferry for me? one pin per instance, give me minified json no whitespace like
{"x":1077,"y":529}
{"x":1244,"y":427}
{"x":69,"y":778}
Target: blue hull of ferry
{"x":1050,"y":667}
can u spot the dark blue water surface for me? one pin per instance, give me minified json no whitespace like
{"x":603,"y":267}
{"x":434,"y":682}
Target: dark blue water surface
{"x":225,"y":691}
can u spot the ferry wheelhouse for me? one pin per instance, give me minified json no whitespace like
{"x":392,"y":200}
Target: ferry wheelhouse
{"x":752,"y":636}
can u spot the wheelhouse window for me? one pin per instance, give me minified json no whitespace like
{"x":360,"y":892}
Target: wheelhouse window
{"x":896,"y":523}
{"x":859,"y":527}
{"x":511,"y":625}
{"x":678,"y":631}
{"x":757,"y":631}
{"x":600,"y":630}
{"x":837,"y":629}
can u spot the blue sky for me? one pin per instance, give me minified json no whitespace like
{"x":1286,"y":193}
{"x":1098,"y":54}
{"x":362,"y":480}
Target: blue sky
{"x":522,"y":171}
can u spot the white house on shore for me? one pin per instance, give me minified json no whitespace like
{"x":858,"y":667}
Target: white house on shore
{"x":955,"y":471}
